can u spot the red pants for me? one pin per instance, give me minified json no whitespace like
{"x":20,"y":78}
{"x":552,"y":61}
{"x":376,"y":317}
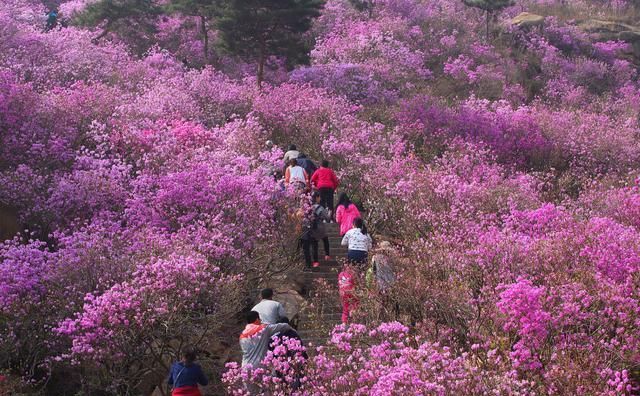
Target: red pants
{"x":186,"y":391}
{"x":349,"y":303}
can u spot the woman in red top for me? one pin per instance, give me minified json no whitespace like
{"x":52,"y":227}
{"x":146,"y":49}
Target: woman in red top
{"x":326,"y":181}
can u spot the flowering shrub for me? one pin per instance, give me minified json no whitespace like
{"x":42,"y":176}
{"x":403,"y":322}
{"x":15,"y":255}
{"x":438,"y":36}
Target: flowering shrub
{"x":174,"y":296}
{"x":283,"y":371}
{"x":381,"y":361}
{"x":504,"y":170}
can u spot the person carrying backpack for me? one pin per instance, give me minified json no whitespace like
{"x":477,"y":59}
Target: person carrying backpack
{"x":314,"y":231}
{"x":256,"y":338}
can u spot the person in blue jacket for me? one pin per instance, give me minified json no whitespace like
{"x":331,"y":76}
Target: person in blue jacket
{"x":185,"y":375}
{"x":52,"y":19}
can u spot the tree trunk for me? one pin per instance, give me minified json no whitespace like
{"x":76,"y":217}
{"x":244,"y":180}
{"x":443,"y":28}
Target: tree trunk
{"x":105,"y":31}
{"x":487,"y":22}
{"x":261,"y":60}
{"x":205,"y":37}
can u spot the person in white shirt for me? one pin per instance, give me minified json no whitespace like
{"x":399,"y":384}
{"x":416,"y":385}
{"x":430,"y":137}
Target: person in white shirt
{"x":293,"y":153}
{"x":359,"y":243}
{"x":270,"y":311}
{"x":296,"y":175}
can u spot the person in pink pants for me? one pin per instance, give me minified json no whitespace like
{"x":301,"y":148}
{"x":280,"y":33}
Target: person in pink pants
{"x":346,"y":287}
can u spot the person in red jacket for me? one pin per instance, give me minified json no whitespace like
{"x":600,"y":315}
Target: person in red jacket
{"x":326,"y":181}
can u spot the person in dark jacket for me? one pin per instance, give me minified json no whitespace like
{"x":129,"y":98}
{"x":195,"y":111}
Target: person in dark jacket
{"x":306,"y":164}
{"x":315,"y":231}
{"x":185,"y":375}
{"x":52,"y":19}
{"x":279,"y":339}
{"x":290,"y":333}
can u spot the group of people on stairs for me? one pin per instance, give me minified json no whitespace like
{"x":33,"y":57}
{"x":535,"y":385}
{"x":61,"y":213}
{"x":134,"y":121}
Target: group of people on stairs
{"x":322,"y":182}
{"x":267,"y":320}
{"x":265,"y":323}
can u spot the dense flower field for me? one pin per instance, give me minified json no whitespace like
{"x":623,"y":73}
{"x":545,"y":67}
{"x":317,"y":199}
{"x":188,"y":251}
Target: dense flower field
{"x":506,"y":169}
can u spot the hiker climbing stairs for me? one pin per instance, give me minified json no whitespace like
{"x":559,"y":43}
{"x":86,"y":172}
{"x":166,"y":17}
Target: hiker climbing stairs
{"x":326,"y":310}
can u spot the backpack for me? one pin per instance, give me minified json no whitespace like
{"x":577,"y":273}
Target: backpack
{"x":317,"y":228}
{"x":307,"y":165}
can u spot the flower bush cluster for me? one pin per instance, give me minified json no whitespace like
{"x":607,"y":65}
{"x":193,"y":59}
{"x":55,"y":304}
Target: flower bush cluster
{"x":383,"y":360}
{"x":505,"y":170}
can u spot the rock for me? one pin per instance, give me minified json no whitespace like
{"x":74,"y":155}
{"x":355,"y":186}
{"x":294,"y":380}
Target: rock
{"x":527,"y":20}
{"x":601,"y":30}
{"x":608,"y":30}
{"x":629,"y":36}
{"x":292,"y":302}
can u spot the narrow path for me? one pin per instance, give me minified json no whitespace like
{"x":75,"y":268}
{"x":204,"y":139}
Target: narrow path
{"x":330,"y":312}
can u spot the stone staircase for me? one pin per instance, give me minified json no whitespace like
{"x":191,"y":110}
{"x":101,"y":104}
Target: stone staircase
{"x":322,"y":282}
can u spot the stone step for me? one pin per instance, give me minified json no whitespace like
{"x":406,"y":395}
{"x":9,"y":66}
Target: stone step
{"x":309,"y":277}
{"x":336,"y":258}
{"x":331,"y":279}
{"x":324,"y":267}
{"x":322,"y":270}
{"x":315,"y":333}
{"x":328,"y":263}
{"x":320,"y":273}
{"x":334,"y":315}
{"x":328,"y":323}
{"x":333,"y":262}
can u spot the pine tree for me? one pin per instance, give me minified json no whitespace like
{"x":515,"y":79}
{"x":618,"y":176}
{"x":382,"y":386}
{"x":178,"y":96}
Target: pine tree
{"x":257,"y":29}
{"x":490,"y":7}
{"x":363,"y":5}
{"x":133,"y":18}
{"x":204,"y":10}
